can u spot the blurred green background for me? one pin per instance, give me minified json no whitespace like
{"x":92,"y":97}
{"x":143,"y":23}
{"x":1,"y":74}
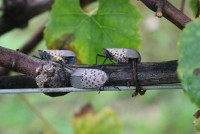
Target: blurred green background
{"x":160,"y":112}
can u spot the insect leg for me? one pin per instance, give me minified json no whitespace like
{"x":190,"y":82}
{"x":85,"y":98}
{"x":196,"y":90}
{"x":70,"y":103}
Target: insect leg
{"x":99,"y":55}
{"x":134,"y":73}
{"x":105,"y":60}
{"x":101,"y":89}
{"x":114,"y":86}
{"x":36,"y":57}
{"x":112,"y":61}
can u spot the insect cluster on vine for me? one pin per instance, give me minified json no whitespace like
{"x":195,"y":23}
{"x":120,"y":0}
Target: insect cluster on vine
{"x":87,"y":78}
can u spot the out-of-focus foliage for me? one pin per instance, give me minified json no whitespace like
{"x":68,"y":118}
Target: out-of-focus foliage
{"x":111,"y":24}
{"x":103,"y":122}
{"x":196,"y":124}
{"x":159,"y":112}
{"x":189,"y":63}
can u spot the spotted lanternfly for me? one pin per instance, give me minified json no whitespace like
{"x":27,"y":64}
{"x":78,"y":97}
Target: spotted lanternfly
{"x":125,"y":55}
{"x":121,"y":55}
{"x":61,"y":56}
{"x":88,"y":78}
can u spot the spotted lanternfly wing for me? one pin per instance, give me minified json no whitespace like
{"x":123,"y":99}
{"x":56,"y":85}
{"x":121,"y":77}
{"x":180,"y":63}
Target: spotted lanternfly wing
{"x":88,"y":78}
{"x":63,"y":56}
{"x":122,"y":55}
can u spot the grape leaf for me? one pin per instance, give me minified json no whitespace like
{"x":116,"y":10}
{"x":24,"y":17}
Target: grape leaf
{"x":114,"y":25}
{"x":189,"y":63}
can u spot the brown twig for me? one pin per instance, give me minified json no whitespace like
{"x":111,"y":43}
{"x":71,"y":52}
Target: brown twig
{"x":27,"y":47}
{"x":148,"y":73}
{"x":169,"y":12}
{"x":19,"y":62}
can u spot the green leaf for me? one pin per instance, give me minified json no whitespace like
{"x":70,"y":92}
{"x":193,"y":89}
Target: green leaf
{"x":189,"y":63}
{"x":104,"y":122}
{"x":193,"y":6}
{"x":114,"y":25}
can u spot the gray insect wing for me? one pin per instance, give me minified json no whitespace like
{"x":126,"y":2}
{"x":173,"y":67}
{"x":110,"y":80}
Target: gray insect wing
{"x":133,"y":54}
{"x":63,"y":54}
{"x":88,"y":78}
